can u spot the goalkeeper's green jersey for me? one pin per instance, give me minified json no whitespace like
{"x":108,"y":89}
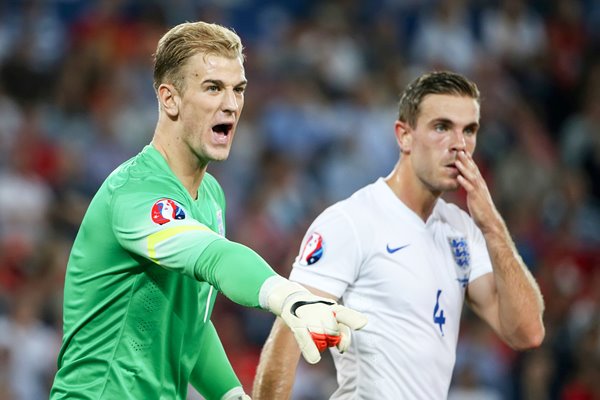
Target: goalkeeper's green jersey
{"x":140,"y":286}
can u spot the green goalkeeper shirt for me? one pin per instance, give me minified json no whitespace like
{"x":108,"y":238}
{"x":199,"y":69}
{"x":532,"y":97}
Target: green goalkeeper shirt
{"x":140,"y":287}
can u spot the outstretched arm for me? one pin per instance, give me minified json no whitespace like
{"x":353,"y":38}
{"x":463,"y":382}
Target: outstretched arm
{"x":509,"y":300}
{"x":189,"y":247}
{"x":277,"y":367}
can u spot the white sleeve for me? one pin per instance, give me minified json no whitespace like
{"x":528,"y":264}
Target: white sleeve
{"x":481,"y":263}
{"x":330,"y":253}
{"x":479,"y":257}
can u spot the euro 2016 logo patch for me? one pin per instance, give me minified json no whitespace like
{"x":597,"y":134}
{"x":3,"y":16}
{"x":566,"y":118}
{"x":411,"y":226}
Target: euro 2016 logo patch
{"x":312,"y":250}
{"x":460,"y":251}
{"x":166,"y":210}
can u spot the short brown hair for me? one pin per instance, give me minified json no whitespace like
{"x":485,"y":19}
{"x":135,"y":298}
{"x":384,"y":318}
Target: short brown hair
{"x":186,"y":40}
{"x":438,"y":82}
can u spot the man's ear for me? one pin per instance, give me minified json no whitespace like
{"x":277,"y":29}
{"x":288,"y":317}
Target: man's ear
{"x":169,"y":99}
{"x":403,"y":136}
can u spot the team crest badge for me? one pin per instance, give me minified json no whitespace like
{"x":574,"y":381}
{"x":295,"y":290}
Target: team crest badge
{"x":312,"y":250}
{"x":460,"y":251}
{"x":462,"y":259}
{"x":166,"y":210}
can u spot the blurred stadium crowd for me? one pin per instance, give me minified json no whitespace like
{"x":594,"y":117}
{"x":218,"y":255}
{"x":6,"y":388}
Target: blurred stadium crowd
{"x":76,"y":99}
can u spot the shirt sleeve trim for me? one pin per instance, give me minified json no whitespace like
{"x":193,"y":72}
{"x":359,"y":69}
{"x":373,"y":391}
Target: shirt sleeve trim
{"x":164,"y":234}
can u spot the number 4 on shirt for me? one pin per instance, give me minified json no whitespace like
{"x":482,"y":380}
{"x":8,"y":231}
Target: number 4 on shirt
{"x":438,"y":313}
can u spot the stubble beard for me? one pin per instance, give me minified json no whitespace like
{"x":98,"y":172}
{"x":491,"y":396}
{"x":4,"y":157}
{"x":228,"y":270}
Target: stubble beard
{"x":440,"y":185}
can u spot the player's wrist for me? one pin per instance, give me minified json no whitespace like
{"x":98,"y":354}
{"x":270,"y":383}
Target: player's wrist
{"x":276,"y":292}
{"x":237,"y":393}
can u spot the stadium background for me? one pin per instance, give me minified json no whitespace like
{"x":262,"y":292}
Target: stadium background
{"x":76,"y":99}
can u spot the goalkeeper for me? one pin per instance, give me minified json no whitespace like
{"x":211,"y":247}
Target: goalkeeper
{"x":151,"y":254}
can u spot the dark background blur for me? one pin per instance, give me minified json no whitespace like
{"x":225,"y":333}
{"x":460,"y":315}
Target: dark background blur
{"x":76,"y":100}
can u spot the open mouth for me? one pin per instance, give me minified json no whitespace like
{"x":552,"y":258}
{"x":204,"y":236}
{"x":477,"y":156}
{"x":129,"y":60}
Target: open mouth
{"x":222,"y":129}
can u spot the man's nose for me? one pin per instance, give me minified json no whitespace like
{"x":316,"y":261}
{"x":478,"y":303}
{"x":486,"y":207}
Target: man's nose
{"x":230,"y":102}
{"x":459,"y":142}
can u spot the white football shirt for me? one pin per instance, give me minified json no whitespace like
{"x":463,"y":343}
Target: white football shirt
{"x":408,"y":277}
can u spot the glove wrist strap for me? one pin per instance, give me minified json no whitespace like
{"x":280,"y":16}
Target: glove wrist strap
{"x":237,"y":393}
{"x":275,"y":291}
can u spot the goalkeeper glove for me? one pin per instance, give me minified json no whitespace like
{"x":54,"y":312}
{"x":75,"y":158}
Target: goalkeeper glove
{"x":316,"y":322}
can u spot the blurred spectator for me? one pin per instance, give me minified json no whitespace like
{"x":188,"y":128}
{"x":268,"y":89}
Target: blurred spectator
{"x":444,"y":38}
{"x":5,"y":376}
{"x":538,"y":369}
{"x":25,"y":197}
{"x":11,"y":116}
{"x":567,"y":48}
{"x":513,"y":33}
{"x":467,"y":387}
{"x":32,"y":348}
{"x":580,"y":138}
{"x":482,"y":363}
{"x":583,"y":382}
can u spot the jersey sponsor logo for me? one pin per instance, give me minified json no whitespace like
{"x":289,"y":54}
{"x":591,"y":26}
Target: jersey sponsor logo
{"x":312,"y":250}
{"x":166,"y":210}
{"x":392,"y":250}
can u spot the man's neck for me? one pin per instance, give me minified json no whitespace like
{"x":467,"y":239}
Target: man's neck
{"x":411,"y":191}
{"x":184,"y":165}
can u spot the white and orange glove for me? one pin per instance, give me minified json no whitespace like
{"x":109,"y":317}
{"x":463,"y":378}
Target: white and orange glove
{"x":316,"y":322}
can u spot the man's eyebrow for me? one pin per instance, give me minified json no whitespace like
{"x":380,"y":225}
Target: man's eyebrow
{"x":442,"y":120}
{"x":215,"y":82}
{"x":220,"y":83}
{"x":447,"y":121}
{"x":473,"y":125}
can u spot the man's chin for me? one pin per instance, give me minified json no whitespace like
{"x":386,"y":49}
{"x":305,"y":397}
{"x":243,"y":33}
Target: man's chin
{"x":219,"y":155}
{"x":208,"y":157}
{"x":450,"y":186}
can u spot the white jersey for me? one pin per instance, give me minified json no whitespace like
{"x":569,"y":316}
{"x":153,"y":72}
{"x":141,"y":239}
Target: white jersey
{"x":409,"y":277}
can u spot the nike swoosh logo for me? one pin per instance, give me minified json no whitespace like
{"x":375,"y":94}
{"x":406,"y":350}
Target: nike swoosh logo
{"x":392,"y":250}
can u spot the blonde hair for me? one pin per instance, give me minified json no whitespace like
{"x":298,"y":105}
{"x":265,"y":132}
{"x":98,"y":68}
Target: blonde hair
{"x":186,"y":40}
